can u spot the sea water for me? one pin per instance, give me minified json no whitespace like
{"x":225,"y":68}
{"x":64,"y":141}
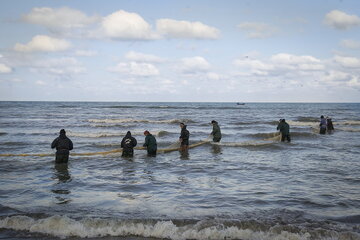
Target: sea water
{"x":248,"y":186}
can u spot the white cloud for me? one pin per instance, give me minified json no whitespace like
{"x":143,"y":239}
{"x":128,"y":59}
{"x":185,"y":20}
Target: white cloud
{"x":297,"y":62}
{"x":194,"y":65}
{"x":341,"y":20}
{"x":5,"y":69}
{"x":348,"y":62}
{"x":59,"y":19}
{"x":349,"y":43}
{"x":85,"y":53}
{"x":59,"y":66}
{"x":136,"y":69}
{"x":141,"y":57}
{"x":213,"y":76}
{"x":40,"y":82}
{"x":126,"y":26}
{"x":254,"y":66}
{"x":185,"y":29}
{"x":354,"y":81}
{"x":43,"y":43}
{"x":257,"y":30}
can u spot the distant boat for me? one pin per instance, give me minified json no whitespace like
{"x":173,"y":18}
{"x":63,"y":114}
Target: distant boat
{"x":240,"y":103}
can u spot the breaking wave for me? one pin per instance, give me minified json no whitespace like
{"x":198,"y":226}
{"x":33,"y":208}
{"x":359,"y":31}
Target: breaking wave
{"x":159,"y":133}
{"x":303,"y":124}
{"x":354,"y":122}
{"x":275,"y":134}
{"x":63,"y":226}
{"x":130,"y":120}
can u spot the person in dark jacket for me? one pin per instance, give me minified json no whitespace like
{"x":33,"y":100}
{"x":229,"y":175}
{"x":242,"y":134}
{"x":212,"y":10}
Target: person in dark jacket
{"x":322,"y":125}
{"x":216,"y":133}
{"x":150,"y":144}
{"x":63,"y":146}
{"x":329,"y":125}
{"x":284,"y":129}
{"x":128,"y":143}
{"x":184,"y":138}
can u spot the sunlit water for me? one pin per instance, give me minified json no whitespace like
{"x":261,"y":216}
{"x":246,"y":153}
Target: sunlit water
{"x":250,"y":186}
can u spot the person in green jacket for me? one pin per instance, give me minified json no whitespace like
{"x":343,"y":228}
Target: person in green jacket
{"x":284,"y":129}
{"x":150,"y":144}
{"x":216,"y":133}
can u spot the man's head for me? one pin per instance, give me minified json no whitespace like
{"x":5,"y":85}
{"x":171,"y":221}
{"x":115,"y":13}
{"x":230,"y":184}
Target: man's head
{"x":146,"y":132}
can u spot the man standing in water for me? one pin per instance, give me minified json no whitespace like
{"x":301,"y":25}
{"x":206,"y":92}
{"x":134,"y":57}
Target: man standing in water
{"x":216,"y":133}
{"x":184,"y":138}
{"x":322,"y":125}
{"x":128,"y":143}
{"x":284,"y":129}
{"x":150,"y":144}
{"x":63,"y":146}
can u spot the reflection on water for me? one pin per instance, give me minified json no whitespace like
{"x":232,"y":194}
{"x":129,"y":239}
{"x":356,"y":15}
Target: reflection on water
{"x":61,"y":173}
{"x":216,"y":149}
{"x":61,"y":187}
{"x":184,"y":155}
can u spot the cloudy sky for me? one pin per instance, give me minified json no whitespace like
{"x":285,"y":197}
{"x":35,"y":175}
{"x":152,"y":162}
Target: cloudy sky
{"x":208,"y":51}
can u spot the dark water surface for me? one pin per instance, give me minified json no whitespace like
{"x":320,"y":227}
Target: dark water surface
{"x":250,"y":186}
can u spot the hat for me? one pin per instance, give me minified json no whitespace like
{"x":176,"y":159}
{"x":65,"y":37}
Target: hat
{"x":62,"y":131}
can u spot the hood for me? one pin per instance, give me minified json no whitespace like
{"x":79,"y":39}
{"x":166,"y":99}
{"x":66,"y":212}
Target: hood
{"x":128,"y":134}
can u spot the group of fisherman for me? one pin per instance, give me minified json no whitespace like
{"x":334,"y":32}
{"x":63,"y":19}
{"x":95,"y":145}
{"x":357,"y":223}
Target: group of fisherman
{"x":63,"y":144}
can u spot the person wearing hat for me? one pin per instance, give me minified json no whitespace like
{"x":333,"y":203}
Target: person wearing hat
{"x":63,"y":145}
{"x":128,"y":143}
{"x":150,"y":144}
{"x":216,"y":133}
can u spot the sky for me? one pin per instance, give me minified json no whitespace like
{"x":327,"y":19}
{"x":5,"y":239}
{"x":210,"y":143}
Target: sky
{"x":180,"y":51}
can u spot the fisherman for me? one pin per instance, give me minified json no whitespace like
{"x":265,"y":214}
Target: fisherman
{"x":150,"y":144}
{"x":184,"y":138}
{"x":329,"y":125}
{"x":322,"y":125}
{"x":63,"y":146}
{"x":127,"y":144}
{"x":279,"y":124}
{"x":216,"y":133}
{"x":284,"y":129}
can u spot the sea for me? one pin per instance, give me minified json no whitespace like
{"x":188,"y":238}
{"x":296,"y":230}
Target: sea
{"x":250,"y":186}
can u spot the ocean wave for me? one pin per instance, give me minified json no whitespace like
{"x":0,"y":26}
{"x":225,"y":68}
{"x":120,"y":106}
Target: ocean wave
{"x":353,"y":122}
{"x":64,"y":226}
{"x":2,"y":133}
{"x":303,"y":124}
{"x":275,"y":134}
{"x":130,"y":120}
{"x":308,"y":119}
{"x":347,"y":129}
{"x":159,"y":133}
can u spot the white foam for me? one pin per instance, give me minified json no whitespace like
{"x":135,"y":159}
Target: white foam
{"x":303,"y":124}
{"x":354,"y":122}
{"x":63,"y":226}
{"x":130,"y":120}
